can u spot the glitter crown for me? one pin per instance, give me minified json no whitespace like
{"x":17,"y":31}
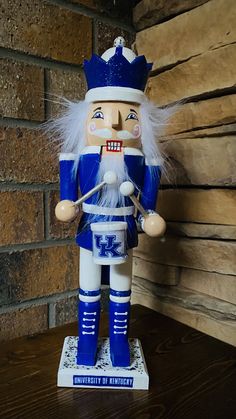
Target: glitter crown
{"x":117,"y":71}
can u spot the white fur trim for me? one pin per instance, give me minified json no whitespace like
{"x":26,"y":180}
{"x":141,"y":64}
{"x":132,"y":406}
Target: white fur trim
{"x":107,"y":93}
{"x":67,"y":156}
{"x":130,"y":151}
{"x":96,"y":210}
{"x":91,"y":149}
{"x":152,"y":162}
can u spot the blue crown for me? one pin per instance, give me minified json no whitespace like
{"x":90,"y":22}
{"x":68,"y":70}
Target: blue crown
{"x":117,"y":71}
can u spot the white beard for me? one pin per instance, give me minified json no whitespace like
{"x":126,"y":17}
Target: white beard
{"x":110,"y":195}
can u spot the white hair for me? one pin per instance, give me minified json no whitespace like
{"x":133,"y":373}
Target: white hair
{"x":69,"y":128}
{"x":153,"y":122}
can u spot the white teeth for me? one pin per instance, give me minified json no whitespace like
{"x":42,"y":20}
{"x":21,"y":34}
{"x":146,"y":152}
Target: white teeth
{"x":113,"y":146}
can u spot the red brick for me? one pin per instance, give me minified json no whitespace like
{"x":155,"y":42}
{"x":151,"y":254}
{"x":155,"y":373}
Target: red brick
{"x":39,"y":28}
{"x":57,"y":229}
{"x":23,"y":321}
{"x":21,"y":217}
{"x":22,"y":90}
{"x":39,"y":272}
{"x":27,"y":156}
{"x":68,"y":84}
{"x":66,"y":310}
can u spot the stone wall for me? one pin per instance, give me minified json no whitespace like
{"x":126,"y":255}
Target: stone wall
{"x":190,"y":274}
{"x":43,"y":47}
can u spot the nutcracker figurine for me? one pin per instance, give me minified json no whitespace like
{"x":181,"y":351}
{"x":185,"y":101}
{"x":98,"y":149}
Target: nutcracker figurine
{"x":109,"y":153}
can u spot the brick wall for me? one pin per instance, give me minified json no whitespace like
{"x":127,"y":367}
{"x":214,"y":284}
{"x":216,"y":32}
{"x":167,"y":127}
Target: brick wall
{"x":43,"y":46}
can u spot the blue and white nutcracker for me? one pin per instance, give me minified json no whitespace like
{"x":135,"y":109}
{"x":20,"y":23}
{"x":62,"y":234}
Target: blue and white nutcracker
{"x":111,"y":156}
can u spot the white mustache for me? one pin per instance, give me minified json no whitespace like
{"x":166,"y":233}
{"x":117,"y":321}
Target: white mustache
{"x":102,"y":132}
{"x":107,"y":133}
{"x":125,"y":135}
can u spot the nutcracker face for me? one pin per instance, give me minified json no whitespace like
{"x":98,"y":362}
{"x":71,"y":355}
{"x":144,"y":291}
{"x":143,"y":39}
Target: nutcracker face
{"x":114,"y":125}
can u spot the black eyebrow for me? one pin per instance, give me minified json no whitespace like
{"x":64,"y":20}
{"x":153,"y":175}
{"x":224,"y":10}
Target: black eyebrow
{"x":132,"y":110}
{"x":97,"y":109}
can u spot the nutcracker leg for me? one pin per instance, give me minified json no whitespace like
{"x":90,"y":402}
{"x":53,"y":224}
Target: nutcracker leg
{"x":89,"y":308}
{"x":120,"y":283}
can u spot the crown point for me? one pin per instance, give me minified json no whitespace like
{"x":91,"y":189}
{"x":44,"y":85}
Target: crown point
{"x":119,"y":42}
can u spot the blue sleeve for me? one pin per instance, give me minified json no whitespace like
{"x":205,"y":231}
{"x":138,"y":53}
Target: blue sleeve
{"x":149,"y":193}
{"x":68,"y":178}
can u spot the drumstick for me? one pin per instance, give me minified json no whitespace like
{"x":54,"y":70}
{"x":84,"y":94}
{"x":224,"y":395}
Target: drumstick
{"x":154,"y":225}
{"x":108,"y":179}
{"x":127,"y":189}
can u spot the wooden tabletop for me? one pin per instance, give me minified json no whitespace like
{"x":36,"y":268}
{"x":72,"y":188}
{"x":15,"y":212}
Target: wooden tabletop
{"x":191,"y":376}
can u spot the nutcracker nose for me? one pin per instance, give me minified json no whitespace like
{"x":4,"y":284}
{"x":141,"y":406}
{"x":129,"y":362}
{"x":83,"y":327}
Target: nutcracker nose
{"x":115,"y":118}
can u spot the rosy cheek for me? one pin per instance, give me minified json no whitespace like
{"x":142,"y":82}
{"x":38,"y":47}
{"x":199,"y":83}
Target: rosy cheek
{"x":92,"y":126}
{"x":136,"y":130}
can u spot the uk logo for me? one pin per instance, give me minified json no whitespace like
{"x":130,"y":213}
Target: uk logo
{"x":107,"y":247}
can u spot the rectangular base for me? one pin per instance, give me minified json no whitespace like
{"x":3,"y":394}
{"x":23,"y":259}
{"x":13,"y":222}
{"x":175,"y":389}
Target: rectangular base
{"x":103,"y":374}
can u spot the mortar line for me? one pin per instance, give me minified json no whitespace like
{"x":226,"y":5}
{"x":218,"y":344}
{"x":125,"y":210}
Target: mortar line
{"x":47,"y":103}
{"x":199,"y":129}
{"x":11,"y":186}
{"x":39,"y":61}
{"x":212,"y":306}
{"x":39,"y":301}
{"x":94,"y":37}
{"x":51,"y":315}
{"x":46,"y":216}
{"x":81,"y":9}
{"x":18,"y":123}
{"x":165,"y":19}
{"x":217,"y":93}
{"x":36,"y":245}
{"x":176,"y":186}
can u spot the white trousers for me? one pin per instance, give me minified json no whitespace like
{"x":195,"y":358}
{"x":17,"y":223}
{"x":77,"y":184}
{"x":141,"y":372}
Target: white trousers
{"x":90,"y":275}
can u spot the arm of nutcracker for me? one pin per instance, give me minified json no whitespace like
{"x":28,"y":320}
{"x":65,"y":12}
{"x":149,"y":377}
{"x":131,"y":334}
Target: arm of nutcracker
{"x":66,"y":210}
{"x":151,"y":182}
{"x":153,"y":224}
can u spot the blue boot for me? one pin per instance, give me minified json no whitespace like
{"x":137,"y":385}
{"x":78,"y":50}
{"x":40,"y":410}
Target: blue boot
{"x":89,"y":315}
{"x":119,"y":327}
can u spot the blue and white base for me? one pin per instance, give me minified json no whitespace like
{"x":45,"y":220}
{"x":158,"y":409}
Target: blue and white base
{"x":103,"y":374}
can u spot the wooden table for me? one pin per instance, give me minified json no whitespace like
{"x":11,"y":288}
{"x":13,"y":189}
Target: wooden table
{"x":191,"y":376}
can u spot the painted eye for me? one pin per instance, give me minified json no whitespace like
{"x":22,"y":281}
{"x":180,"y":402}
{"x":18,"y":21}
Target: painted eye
{"x":98,"y":115}
{"x":132,"y":116}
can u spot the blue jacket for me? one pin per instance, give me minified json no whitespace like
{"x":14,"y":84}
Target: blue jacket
{"x":145,"y":177}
